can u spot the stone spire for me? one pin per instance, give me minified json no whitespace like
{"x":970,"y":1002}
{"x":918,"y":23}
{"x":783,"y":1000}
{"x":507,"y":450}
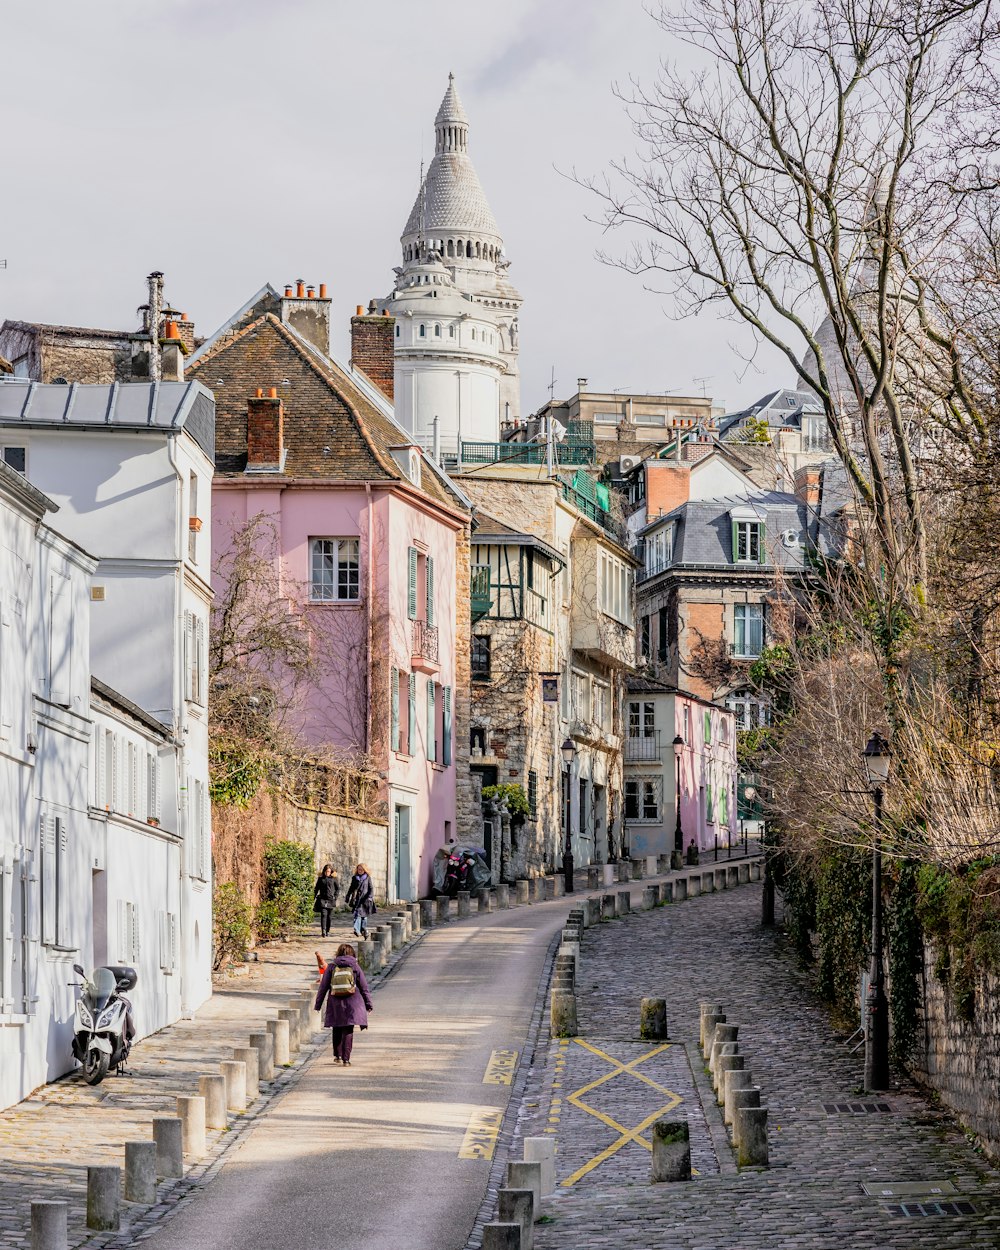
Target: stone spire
{"x":451,"y":126}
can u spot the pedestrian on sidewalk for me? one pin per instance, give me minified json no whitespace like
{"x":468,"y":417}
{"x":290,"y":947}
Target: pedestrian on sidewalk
{"x":361,"y":897}
{"x":347,"y":1001}
{"x":325,"y":896}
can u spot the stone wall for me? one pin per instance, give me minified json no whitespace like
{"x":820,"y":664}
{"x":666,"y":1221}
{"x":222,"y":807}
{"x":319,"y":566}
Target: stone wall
{"x":468,"y":808}
{"x":338,"y":838}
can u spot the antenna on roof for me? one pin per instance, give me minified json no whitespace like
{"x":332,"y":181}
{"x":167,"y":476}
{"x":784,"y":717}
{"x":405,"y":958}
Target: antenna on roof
{"x":3,"y":264}
{"x":704,"y":393}
{"x":552,"y":385}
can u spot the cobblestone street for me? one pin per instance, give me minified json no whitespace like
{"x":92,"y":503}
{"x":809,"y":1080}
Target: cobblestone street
{"x":597,"y":1095}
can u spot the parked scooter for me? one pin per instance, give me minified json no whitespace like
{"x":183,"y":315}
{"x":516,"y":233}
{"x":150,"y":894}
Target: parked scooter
{"x":102,"y":1027}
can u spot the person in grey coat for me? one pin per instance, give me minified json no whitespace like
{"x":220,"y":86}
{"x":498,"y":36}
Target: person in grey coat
{"x":345,"y":1012}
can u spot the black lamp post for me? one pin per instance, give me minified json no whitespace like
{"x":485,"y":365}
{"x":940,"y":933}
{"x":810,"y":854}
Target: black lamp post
{"x":677,"y":859}
{"x":568,"y":754}
{"x":749,"y":794}
{"x":877,"y":756}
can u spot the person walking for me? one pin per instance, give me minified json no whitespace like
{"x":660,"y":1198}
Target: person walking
{"x":348,"y":1001}
{"x":361,"y":897}
{"x":325,"y":897}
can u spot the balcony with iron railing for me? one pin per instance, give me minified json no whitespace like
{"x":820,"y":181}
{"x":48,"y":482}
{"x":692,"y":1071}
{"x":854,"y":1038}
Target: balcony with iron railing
{"x":424,"y":647}
{"x":480,"y":596}
{"x":594,"y":512}
{"x":644,"y":749}
{"x":516,"y":453}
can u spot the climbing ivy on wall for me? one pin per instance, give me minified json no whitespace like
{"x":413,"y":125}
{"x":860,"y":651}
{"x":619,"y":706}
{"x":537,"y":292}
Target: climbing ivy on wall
{"x":960,"y":913}
{"x":906,"y":942}
{"x":843,"y":925}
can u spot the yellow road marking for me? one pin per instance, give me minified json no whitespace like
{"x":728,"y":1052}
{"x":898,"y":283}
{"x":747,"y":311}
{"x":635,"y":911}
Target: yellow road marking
{"x":481,"y":1136}
{"x":501,"y":1067}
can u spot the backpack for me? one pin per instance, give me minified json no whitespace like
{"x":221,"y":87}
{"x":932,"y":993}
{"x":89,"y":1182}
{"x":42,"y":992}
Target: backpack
{"x":342,"y":983}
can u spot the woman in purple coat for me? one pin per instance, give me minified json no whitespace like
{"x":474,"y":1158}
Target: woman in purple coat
{"x":344,"y":1011}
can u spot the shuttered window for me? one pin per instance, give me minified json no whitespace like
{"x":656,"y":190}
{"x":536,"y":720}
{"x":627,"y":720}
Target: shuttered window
{"x":430,"y":590}
{"x":128,"y":932}
{"x":168,"y":942}
{"x":411,"y":723}
{"x":411,"y":584}
{"x":431,"y":723}
{"x":446,"y":727}
{"x":394,"y":712}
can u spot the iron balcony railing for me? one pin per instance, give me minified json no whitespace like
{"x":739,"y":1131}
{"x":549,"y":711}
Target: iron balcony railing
{"x":424,"y":641}
{"x":565,"y":453}
{"x":595,"y":512}
{"x":642,"y":749}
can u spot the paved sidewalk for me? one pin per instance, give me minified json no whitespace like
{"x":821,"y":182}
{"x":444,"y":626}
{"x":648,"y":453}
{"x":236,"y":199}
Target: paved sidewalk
{"x":597,"y":1095}
{"x":47,"y":1141}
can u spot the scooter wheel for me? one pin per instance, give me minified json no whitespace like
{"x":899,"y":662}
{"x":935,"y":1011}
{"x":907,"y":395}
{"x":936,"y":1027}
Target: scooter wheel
{"x":95,"y":1066}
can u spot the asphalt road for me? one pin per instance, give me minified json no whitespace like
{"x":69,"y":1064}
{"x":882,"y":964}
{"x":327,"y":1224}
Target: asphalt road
{"x":367,"y":1157}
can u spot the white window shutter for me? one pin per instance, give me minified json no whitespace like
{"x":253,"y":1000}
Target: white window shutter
{"x":123,"y":936}
{"x":61,"y":835}
{"x":186,"y":659}
{"x":173,"y":940}
{"x":152,"y":786}
{"x":48,"y":840}
{"x":6,"y":933}
{"x":446,"y":727}
{"x":199,"y":651}
{"x":6,"y":671}
{"x":100,"y":768}
{"x":394,"y":709}
{"x":411,"y":584}
{"x":113,"y":803}
{"x":206,"y":834}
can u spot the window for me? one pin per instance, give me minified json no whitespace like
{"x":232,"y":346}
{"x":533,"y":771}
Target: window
{"x":194,"y":658}
{"x":614,"y":588}
{"x":481,"y":655}
{"x":651,"y":418}
{"x":751,"y":711}
{"x":394,"y":741}
{"x":477,"y":740}
{"x":602,"y":705}
{"x":451,"y":332}
{"x":607,"y":418}
{"x":709,"y":806}
{"x":423,"y":332}
{"x":644,"y":639}
{"x":432,"y":721}
{"x":659,"y":550}
{"x":708,"y":728}
{"x":687,"y":725}
{"x":128,"y":932}
{"x":446,"y":725}
{"x":723,"y":806}
{"x":641,"y":719}
{"x":661,"y":642}
{"x":532,"y":793}
{"x":581,"y":697}
{"x":584,"y":805}
{"x":16,"y":457}
{"x":437,"y":331}
{"x":152,"y":786}
{"x":643,"y":799}
{"x":15,"y":873}
{"x":748,"y":542}
{"x":61,"y":646}
{"x":411,"y":712}
{"x":397,"y":329}
{"x":21,"y":367}
{"x":420,"y":586}
{"x":748,"y":629}
{"x":54,"y":870}
{"x":198,"y":831}
{"x":168,"y":942}
{"x":334,"y":570}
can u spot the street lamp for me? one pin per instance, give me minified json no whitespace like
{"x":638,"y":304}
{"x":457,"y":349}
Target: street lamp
{"x":749,"y":794}
{"x":677,"y":859}
{"x":877,"y":757}
{"x":568,"y":753}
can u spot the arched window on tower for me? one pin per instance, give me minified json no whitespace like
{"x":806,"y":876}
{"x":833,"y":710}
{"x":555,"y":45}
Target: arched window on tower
{"x":423,"y":331}
{"x":473,"y":334}
{"x":468,"y":249}
{"x":451,"y":332}
{"x":397,"y":330}
{"x":479,"y":251}
{"x":437,"y":332}
{"x":451,"y":247}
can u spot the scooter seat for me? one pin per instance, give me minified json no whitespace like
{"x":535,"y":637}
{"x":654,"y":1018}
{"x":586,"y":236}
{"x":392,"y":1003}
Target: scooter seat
{"x":126,"y":977}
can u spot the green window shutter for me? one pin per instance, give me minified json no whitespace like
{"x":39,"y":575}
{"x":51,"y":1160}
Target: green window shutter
{"x":446,"y":728}
{"x":761,"y":545}
{"x":736,"y":542}
{"x":708,"y":727}
{"x":723,"y":807}
{"x":412,"y":726}
{"x":430,"y":591}
{"x":709,"y":813}
{"x":431,"y":752}
{"x":411,"y":587}
{"x":394,"y":699}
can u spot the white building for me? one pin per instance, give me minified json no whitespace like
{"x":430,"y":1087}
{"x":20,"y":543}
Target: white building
{"x":456,"y":346}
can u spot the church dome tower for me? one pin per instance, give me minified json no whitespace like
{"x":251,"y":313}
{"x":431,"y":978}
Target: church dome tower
{"x":456,"y":342}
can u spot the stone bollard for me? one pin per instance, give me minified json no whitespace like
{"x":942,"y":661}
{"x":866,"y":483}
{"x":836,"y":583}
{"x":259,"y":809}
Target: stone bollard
{"x":717,"y":1049}
{"x":407,"y":923}
{"x":572,"y":949}
{"x":442,"y":913}
{"x":562,"y":1015}
{"x":213,"y":1090}
{"x":720,"y":879}
{"x":384,"y":941}
{"x":735,"y":1079}
{"x":279,"y":1031}
{"x":720,"y":1051}
{"x":755,"y":870}
{"x":653,"y":1019}
{"x":503,"y":896}
{"x":292,"y":1018}
{"x":517,"y":1206}
{"x":732,"y":877}
{"x":427,"y":910}
{"x":263,"y":1044}
{"x":542,"y":1150}
{"x":741,"y":1099}
{"x":251,"y":1066}
{"x":103,"y":1197}
{"x":483,"y":902}
{"x":624,"y":871}
{"x":526,"y":1176}
{"x":650,"y":865}
{"x":608,"y":875}
{"x":591,"y":912}
{"x":666,"y":891}
{"x":706,"y":1009}
{"x":304,"y":1003}
{"x":416,"y":917}
{"x":744,"y":873}
{"x":191,"y":1110}
{"x":650,"y":897}
{"x":549,"y":888}
{"x":560,"y":887}
{"x":501,"y":1236}
{"x":710,"y":1023}
{"x":49,"y":1225}
{"x":366,"y":954}
{"x":608,"y":907}
{"x":724,"y":1032}
{"x":464,"y":904}
{"x":662,"y":864}
{"x":694,"y":884}
{"x":492,"y":895}
{"x":726,"y":1064}
{"x":521,"y":888}
{"x":752,"y":1150}
{"x":680,"y":889}
{"x":397,"y":926}
{"x":671,"y":1151}
{"x":635,"y":867}
{"x":235,"y":1075}
{"x":624,"y":905}
{"x":708,"y":883}
{"x":140,"y":1172}
{"x":168,"y":1138}
{"x":593,"y":877}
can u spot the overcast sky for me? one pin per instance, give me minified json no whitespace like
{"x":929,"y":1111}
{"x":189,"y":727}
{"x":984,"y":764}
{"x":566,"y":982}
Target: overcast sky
{"x":236,"y":142}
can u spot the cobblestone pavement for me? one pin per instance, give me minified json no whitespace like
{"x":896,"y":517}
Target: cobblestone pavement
{"x":47,"y":1141}
{"x":712,"y":947}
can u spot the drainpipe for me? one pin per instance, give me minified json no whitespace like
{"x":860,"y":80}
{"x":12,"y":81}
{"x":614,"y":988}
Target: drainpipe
{"x":370,"y":622}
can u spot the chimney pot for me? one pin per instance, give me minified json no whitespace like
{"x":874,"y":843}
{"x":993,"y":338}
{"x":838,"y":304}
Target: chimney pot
{"x":310,"y":292}
{"x":260,"y":392}
{"x":300,"y":288}
{"x":322,"y":290}
{"x":273,"y":393}
{"x":385,"y":312}
{"x":361,"y":310}
{"x":288,"y":290}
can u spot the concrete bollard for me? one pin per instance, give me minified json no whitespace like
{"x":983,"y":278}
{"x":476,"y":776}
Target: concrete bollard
{"x":384,"y":939}
{"x":725,"y":1031}
{"x":234,"y":1074}
{"x":263,"y":1044}
{"x":464,"y":904}
{"x":104,"y":1197}
{"x":292,"y":1019}
{"x":608,"y":875}
{"x":653,"y":1019}
{"x":694,"y":884}
{"x":680,"y":889}
{"x":304,"y":1004}
{"x":572,"y":949}
{"x":562,"y":1015}
{"x":517,"y":1206}
{"x":427,"y":910}
{"x":636,"y":866}
{"x":282,"y":1052}
{"x":591,"y":912}
{"x":416,"y":919}
{"x":501,"y":1236}
{"x":662,"y":864}
{"x":624,"y":871}
{"x":650,"y":865}
{"x":251,"y":1066}
{"x":666,"y":891}
{"x":526,"y":1176}
{"x":717,"y":1049}
{"x":213,"y":1090}
{"x":503,"y":896}
{"x":443,"y":909}
{"x":169,"y":1141}
{"x":752,"y":1150}
{"x":720,"y":879}
{"x":593,"y":877}
{"x":710,"y":1022}
{"x":624,"y":905}
{"x":725,"y":1064}
{"x":49,"y":1225}
{"x":732,"y":877}
{"x":191,"y":1110}
{"x":560,"y":887}
{"x":744,"y":873}
{"x":542,"y":1150}
{"x":366,"y":954}
{"x":735,"y":1078}
{"x":755,"y":870}
{"x":493,"y":900}
{"x":549,"y":888}
{"x":140,"y":1172}
{"x":608,"y":907}
{"x":741,"y":1099}
{"x":521,"y":889}
{"x":650,"y":897}
{"x":397,"y":926}
{"x":483,"y":902}
{"x":706,"y":1009}
{"x":407,"y":920}
{"x":671,"y":1151}
{"x":708,"y":883}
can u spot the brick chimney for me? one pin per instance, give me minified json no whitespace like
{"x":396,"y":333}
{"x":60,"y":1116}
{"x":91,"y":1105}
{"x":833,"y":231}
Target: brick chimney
{"x":668,"y":485}
{"x":265,"y":431}
{"x":308,"y":313}
{"x":808,"y":480}
{"x":372,"y":340}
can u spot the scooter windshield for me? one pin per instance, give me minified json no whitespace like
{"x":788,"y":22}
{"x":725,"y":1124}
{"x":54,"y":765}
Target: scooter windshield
{"x":100,"y":986}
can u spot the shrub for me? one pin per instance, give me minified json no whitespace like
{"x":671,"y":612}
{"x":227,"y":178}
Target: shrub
{"x":231,"y":931}
{"x":288,"y":887}
{"x":513,"y":795}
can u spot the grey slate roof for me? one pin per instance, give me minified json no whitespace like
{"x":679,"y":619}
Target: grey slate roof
{"x":166,"y":406}
{"x":704,"y":533}
{"x":782,"y":408}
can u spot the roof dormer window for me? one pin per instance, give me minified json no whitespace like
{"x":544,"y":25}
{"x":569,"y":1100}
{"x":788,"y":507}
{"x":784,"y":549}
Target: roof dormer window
{"x":748,"y":537}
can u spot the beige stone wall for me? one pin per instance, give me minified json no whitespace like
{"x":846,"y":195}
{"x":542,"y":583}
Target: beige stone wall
{"x":338,"y":838}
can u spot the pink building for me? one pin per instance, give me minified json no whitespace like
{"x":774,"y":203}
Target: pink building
{"x":367,"y":533}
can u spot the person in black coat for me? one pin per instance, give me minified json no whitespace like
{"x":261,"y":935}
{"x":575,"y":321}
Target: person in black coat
{"x":325,"y":897}
{"x":361,"y":897}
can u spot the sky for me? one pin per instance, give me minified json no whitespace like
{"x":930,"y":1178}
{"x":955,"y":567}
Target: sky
{"x":231,"y":143}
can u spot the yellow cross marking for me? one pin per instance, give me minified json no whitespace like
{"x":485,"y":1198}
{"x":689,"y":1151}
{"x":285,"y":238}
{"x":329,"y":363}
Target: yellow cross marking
{"x":501,"y":1067}
{"x":626,"y":1134}
{"x":481,"y":1136}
